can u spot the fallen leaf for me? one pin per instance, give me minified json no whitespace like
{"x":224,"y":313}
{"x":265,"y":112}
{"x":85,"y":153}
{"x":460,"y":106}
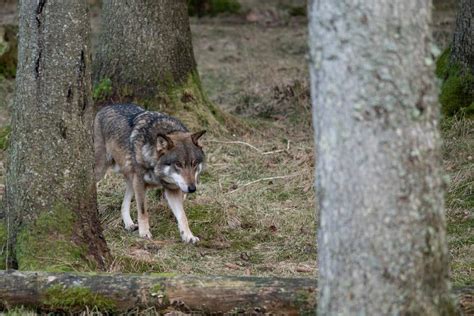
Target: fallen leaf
{"x":232,"y":266}
{"x":304,"y":269}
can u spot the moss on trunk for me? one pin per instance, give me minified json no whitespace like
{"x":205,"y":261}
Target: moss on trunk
{"x":76,"y":299}
{"x":189,"y":103}
{"x":48,"y":243}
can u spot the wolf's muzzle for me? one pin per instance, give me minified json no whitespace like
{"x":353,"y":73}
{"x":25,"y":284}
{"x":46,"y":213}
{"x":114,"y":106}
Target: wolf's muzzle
{"x":191,"y":188}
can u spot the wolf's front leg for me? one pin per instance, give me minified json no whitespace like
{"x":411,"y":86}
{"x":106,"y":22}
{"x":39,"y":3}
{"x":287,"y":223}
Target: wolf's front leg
{"x":143,"y":221}
{"x":127,"y":199}
{"x":175,"y":200}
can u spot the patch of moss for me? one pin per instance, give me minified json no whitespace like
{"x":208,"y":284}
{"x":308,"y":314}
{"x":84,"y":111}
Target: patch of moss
{"x":4,"y":135}
{"x":76,"y":299}
{"x":457,"y":88}
{"x":163,"y":274}
{"x":188,"y":102}
{"x":442,"y":64}
{"x":3,"y":245}
{"x":457,"y":94}
{"x":297,"y":10}
{"x":102,"y":90}
{"x":212,"y":7}
{"x":46,"y":244}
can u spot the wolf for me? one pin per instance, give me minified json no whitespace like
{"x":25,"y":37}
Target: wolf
{"x":150,"y":149}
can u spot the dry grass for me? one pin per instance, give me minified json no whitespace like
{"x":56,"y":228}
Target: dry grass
{"x":246,"y":227}
{"x":254,"y":210}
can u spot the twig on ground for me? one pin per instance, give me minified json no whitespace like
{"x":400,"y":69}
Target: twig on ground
{"x":234,"y":142}
{"x":238,"y":142}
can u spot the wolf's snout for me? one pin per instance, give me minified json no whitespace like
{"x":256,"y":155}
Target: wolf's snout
{"x":191,"y":188}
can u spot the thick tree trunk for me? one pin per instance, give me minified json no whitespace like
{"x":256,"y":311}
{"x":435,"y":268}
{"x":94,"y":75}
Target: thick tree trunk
{"x":462,"y":48}
{"x":146,"y":54}
{"x":382,"y":241}
{"x":50,"y":189}
{"x":121,"y":293}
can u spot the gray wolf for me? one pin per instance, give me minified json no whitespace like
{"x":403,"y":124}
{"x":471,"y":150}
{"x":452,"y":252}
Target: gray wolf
{"x":149,"y":149}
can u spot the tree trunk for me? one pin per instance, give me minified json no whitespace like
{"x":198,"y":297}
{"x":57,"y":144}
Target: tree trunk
{"x":122,"y":293}
{"x":382,"y":241}
{"x":50,"y":196}
{"x":462,"y":48}
{"x":146,"y":55}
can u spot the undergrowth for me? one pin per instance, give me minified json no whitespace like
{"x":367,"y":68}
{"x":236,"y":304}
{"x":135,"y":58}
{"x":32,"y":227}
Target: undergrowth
{"x":457,"y":87}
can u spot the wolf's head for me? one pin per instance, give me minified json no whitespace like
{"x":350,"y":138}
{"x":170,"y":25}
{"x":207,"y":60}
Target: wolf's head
{"x":181,"y":160}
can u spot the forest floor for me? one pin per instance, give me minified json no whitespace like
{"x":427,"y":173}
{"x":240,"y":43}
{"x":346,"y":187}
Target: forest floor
{"x":254,"y":210}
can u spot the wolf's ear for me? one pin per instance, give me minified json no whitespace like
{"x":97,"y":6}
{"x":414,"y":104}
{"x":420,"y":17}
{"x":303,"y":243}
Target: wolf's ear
{"x":163,"y":142}
{"x":195,"y":137}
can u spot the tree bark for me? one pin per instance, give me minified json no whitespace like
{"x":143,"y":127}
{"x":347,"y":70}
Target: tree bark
{"x":462,"y":48}
{"x":146,"y":52}
{"x":50,"y":196}
{"x":121,"y":293}
{"x":382,"y":241}
{"x":143,"y":44}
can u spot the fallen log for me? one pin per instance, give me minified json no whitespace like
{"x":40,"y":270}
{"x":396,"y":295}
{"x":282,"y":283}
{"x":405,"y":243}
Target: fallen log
{"x":114,"y":293}
{"x":117,"y":293}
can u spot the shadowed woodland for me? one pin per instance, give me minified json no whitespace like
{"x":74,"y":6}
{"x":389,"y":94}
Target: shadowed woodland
{"x":242,"y":72}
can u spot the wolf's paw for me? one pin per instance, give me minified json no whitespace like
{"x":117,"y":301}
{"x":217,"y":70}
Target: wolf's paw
{"x":145,"y":234}
{"x":189,"y":238}
{"x":132,"y":227}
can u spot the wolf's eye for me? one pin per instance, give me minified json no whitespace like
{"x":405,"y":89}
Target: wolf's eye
{"x":178,"y":165}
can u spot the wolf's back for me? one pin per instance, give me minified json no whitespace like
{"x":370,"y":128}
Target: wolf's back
{"x":116,"y":121}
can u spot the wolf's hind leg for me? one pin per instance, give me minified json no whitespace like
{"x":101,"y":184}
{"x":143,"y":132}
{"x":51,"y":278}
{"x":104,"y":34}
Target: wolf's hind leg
{"x":127,"y":199}
{"x":99,"y":152}
{"x":175,"y":200}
